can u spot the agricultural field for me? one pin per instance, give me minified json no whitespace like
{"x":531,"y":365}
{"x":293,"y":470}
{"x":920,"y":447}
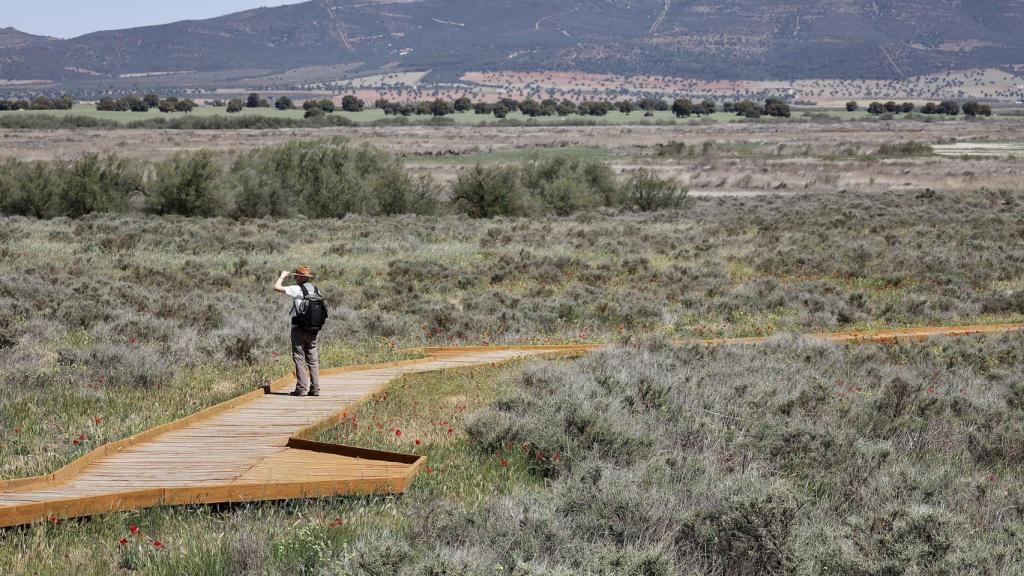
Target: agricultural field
{"x":647,"y":458}
{"x":990,"y":84}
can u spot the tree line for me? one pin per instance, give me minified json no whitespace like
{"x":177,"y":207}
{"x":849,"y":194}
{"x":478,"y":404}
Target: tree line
{"x":946,"y":107}
{"x":64,"y":102}
{"x":680,"y":107}
{"x":133,"y":103}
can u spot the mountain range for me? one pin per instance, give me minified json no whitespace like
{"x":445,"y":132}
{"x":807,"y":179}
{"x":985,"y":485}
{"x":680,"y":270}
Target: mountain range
{"x":730,"y":39}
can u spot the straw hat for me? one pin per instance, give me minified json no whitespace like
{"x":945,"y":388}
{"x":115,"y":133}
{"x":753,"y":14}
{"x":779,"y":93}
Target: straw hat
{"x":304,"y":271}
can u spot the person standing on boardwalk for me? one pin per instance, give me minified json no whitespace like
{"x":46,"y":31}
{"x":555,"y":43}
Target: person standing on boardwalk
{"x":308,"y":312}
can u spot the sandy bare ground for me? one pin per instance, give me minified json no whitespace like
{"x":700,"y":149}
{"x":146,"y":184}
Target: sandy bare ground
{"x":719,"y":158}
{"x":983,"y":149}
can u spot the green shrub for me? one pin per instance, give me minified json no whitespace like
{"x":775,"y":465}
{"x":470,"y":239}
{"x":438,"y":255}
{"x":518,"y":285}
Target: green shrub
{"x":95,"y":184}
{"x":48,"y":122}
{"x":486,"y":192}
{"x":29,"y":188}
{"x":564,"y":185}
{"x":560,"y":185}
{"x":326,"y":179}
{"x":647,"y":192}
{"x":188,"y":184}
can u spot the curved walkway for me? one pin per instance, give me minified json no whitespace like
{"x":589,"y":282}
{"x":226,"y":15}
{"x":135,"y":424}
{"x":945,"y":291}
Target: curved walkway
{"x":250,"y":448}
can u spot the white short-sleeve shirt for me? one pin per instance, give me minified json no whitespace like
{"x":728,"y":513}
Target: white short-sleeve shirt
{"x":296,"y":293}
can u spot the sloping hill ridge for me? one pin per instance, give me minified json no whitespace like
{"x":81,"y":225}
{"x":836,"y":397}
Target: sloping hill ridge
{"x":14,"y":39}
{"x":747,"y":39}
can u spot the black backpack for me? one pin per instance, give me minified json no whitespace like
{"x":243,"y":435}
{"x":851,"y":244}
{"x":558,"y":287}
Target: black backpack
{"x":312,"y":312}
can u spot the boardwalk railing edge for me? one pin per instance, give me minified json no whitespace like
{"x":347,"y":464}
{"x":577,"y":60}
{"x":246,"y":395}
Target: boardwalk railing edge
{"x":68,"y":470}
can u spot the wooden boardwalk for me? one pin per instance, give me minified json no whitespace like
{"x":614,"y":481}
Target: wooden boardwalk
{"x":250,"y":448}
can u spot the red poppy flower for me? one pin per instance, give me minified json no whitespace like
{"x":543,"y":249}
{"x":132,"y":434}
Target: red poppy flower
{"x":398,"y":432}
{"x":158,"y":544}
{"x":418,"y":442}
{"x":133,"y":529}
{"x":430,"y":470}
{"x":991,"y":477}
{"x":450,"y":430}
{"x":76,"y":441}
{"x":54,"y":520}
{"x":122,"y":541}
{"x":17,"y":430}
{"x":337,"y":522}
{"x":98,"y":420}
{"x":504,"y":463}
{"x":931,"y":389}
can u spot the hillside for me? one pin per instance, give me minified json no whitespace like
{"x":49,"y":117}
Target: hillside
{"x":11,"y":38}
{"x":749,"y":39}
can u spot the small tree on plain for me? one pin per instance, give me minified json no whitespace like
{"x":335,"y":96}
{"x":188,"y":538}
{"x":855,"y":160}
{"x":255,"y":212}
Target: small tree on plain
{"x":352,"y":103}
{"x":441,"y":107}
{"x":852,"y":106}
{"x":284,"y":103}
{"x":777,"y":108}
{"x":107,"y":104}
{"x":235,"y":105}
{"x":65,"y":102}
{"x":682,"y":107}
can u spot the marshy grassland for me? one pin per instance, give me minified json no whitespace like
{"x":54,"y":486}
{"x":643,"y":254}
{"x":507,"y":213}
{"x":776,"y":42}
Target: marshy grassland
{"x":648,"y":458}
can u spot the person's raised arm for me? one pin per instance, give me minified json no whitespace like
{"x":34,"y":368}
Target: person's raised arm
{"x":279,"y":286}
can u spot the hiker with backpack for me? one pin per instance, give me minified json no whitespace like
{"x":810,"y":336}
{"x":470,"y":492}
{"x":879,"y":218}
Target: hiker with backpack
{"x":309,"y":313}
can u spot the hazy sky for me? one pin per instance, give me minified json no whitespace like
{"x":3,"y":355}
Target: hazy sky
{"x":68,"y":18}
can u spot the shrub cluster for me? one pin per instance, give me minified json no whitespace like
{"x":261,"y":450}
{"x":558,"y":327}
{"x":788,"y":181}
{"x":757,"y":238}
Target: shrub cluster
{"x":324,"y":179}
{"x":792,"y":458}
{"x":90,"y":184}
{"x":560,"y":186}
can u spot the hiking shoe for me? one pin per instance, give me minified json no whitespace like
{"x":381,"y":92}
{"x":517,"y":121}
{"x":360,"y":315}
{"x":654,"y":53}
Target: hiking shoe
{"x":297,"y":393}
{"x":314,"y":392}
